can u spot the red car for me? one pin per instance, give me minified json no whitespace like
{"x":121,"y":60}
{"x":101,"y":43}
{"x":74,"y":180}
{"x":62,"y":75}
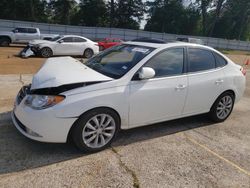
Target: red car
{"x":108,"y":42}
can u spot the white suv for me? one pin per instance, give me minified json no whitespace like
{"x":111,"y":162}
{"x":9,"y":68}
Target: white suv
{"x":126,"y":86}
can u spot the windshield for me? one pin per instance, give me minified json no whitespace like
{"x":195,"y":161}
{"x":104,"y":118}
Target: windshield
{"x":55,"y":38}
{"x":118,"y":60}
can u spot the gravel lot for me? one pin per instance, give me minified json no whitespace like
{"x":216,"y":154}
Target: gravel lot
{"x":189,"y":152}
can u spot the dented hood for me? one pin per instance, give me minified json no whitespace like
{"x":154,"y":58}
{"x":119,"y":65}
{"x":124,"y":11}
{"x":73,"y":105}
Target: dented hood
{"x":60,"y":71}
{"x":39,"y":41}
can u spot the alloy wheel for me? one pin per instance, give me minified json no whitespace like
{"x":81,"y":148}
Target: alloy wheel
{"x":224,"y":107}
{"x":98,"y":130}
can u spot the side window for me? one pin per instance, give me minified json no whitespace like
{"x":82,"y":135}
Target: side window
{"x":78,"y":39}
{"x":31,"y":30}
{"x":167,"y":63}
{"x":21,"y":30}
{"x":200,"y":60}
{"x":68,"y":39}
{"x":220,"y":61}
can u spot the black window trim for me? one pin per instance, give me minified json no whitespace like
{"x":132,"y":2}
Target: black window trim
{"x":184,"y":69}
{"x":24,"y":28}
{"x":67,"y":37}
{"x":205,"y":49}
{"x":216,"y":65}
{"x":74,"y":39}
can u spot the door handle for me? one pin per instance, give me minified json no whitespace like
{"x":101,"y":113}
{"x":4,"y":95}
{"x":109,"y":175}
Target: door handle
{"x":180,"y":87}
{"x":220,"y":81}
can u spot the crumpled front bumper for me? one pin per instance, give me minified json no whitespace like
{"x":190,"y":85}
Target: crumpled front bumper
{"x":40,"y":125}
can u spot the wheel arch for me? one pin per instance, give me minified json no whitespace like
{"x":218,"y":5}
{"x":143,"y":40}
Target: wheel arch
{"x":101,"y":107}
{"x":6,"y":36}
{"x":227,"y":91}
{"x":47,"y":47}
{"x":88,"y":48}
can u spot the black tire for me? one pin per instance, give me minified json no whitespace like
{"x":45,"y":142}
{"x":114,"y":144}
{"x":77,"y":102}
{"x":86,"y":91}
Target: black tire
{"x":217,"y":107}
{"x":101,"y":48}
{"x":88,"y":53}
{"x":5,"y":41}
{"x":80,"y":127}
{"x":46,"y":52}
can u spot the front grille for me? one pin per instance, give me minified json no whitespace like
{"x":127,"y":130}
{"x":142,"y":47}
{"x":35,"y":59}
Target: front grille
{"x":22,"y":93}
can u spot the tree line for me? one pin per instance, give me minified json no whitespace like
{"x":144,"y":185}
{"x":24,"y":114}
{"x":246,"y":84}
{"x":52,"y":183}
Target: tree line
{"x":214,"y":18}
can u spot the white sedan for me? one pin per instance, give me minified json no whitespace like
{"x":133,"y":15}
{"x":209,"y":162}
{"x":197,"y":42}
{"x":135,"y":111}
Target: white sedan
{"x":64,"y":45}
{"x":130,"y":85}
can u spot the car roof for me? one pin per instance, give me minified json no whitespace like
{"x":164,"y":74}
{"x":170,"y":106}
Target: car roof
{"x":72,"y":36}
{"x":26,"y":27}
{"x":167,"y":45}
{"x":75,"y":36}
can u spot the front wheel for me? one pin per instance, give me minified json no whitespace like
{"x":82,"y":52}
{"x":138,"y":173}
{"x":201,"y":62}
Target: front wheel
{"x":46,"y":52}
{"x":96,"y":129}
{"x":222,"y":107}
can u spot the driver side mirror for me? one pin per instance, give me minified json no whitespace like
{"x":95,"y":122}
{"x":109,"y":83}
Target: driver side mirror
{"x":146,"y":73}
{"x":15,"y":31}
{"x":60,"y":41}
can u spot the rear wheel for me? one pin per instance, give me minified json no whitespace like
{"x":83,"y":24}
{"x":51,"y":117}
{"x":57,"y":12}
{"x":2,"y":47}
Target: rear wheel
{"x":88,"y":53}
{"x":4,"y":41}
{"x":96,"y":129}
{"x":222,"y":107}
{"x":46,"y":52}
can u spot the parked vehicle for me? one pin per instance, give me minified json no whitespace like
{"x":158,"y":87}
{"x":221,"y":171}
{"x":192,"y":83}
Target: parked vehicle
{"x":108,"y":42}
{"x":127,"y":86}
{"x":191,"y":40}
{"x":151,"y":40}
{"x":22,"y":35}
{"x":63,"y":45}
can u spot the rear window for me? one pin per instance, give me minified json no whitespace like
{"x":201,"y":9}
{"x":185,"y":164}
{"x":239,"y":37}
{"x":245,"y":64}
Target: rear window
{"x":78,"y":39}
{"x":200,"y":60}
{"x":31,"y":30}
{"x":68,"y":39}
{"x":220,"y":61}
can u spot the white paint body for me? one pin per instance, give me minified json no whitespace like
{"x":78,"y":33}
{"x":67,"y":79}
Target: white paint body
{"x":67,"y":48}
{"x":25,"y":36}
{"x":138,"y":102}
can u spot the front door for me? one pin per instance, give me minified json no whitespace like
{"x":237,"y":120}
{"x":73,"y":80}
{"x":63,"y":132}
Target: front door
{"x":67,"y":46}
{"x":162,"y":97}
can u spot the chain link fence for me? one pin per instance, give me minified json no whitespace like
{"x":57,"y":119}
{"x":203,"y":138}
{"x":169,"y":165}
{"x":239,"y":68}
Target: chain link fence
{"x":125,"y":34}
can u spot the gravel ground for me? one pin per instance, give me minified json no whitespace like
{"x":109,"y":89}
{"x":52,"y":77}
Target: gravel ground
{"x":189,"y":152}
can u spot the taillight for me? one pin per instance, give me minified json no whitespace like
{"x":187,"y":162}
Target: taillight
{"x":244,"y":72}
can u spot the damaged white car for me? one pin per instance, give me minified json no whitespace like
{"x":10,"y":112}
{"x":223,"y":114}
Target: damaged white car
{"x":126,"y":86}
{"x":72,"y":45}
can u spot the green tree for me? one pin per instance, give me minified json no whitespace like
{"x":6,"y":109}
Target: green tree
{"x":27,"y":10}
{"x":128,"y":13}
{"x":61,"y":11}
{"x":171,"y":16}
{"x":234,"y":22}
{"x":91,"y":13}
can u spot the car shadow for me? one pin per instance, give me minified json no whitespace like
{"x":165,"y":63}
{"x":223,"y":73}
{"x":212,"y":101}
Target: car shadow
{"x":20,"y":153}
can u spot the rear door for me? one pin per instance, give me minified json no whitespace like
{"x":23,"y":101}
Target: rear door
{"x":206,"y":82}
{"x":32,"y":34}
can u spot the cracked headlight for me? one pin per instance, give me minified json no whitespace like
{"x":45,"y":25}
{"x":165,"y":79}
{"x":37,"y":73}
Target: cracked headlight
{"x":40,"y":102}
